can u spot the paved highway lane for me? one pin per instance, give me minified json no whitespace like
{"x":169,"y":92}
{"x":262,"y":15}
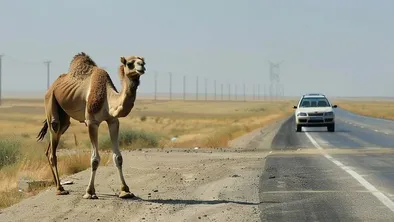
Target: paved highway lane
{"x":374,"y":124}
{"x":350,"y":133}
{"x":347,"y":175}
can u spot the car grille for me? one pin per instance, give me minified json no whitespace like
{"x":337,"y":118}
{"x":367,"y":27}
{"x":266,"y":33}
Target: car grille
{"x":316,"y":121}
{"x":315,"y":114}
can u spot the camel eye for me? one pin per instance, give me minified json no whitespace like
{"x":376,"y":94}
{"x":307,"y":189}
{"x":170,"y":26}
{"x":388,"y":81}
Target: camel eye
{"x":130,"y":65}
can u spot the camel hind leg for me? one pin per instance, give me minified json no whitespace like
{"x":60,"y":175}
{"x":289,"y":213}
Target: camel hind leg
{"x":50,"y":164}
{"x":48,"y":152}
{"x":58,"y":122}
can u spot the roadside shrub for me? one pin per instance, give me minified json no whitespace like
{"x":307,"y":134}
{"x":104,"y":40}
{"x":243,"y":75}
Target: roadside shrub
{"x":131,"y":139}
{"x":9,"y":152}
{"x":143,"y":118}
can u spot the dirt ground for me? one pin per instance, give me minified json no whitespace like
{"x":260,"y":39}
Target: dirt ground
{"x":170,"y":185}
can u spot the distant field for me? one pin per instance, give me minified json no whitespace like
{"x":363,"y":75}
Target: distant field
{"x":378,"y":108}
{"x":209,"y":124}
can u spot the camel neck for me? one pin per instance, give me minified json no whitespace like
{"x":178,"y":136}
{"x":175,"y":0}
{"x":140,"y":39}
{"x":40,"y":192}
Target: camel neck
{"x":122,"y":103}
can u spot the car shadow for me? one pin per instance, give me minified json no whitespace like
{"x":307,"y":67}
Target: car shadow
{"x":325,"y":131}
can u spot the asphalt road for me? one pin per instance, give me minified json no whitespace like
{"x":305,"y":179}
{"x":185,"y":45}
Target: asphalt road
{"x":315,"y":175}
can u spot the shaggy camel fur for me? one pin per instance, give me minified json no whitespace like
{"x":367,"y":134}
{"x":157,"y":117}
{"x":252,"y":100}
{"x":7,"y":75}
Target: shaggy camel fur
{"x":87,"y":94}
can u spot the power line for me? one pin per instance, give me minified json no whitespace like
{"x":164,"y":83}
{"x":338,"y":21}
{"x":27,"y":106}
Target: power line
{"x":48,"y":63}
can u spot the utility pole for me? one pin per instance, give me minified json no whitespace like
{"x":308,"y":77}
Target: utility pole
{"x":254,"y":92}
{"x":221,"y":89}
{"x":214,"y":83}
{"x":229,"y":91}
{"x":1,"y":56}
{"x":244,"y":88}
{"x":235,"y":92}
{"x":155,"y":94}
{"x":258,"y":91}
{"x":170,"y":85}
{"x":184,"y":87}
{"x":48,"y":63}
{"x":206,"y":89}
{"x":197,"y":88}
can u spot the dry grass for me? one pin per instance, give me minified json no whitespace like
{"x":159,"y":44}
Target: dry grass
{"x":31,"y":164}
{"x":379,"y":109}
{"x":150,"y":124}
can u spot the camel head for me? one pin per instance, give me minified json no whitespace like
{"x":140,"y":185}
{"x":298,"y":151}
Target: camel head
{"x":133,"y":66}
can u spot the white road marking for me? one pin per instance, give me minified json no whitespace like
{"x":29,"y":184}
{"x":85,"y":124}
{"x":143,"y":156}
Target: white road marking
{"x":316,"y":191}
{"x":361,"y":126}
{"x":381,"y":197}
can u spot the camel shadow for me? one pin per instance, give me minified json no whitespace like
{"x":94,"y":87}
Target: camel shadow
{"x":186,"y":201}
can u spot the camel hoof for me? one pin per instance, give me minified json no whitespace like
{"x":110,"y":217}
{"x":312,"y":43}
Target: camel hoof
{"x":125,"y":195}
{"x":62,"y":192}
{"x":90,"y":196}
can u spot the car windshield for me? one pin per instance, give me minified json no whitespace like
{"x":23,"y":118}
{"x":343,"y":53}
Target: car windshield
{"x":314,"y":102}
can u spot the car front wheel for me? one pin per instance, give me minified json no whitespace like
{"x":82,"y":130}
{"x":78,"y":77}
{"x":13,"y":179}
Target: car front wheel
{"x":331,"y":128}
{"x":299,"y":128}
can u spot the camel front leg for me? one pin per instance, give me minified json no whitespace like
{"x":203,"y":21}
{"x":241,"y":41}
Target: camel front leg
{"x":95,"y":159}
{"x":113,"y":126}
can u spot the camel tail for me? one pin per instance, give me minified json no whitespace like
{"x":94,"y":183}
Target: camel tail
{"x":43,"y":131}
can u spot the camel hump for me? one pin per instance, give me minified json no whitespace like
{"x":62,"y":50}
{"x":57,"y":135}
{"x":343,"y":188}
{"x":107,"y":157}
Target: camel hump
{"x":81,"y":65}
{"x":98,"y":90}
{"x":82,"y":59}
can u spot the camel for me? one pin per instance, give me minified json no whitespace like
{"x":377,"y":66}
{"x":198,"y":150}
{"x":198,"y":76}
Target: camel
{"x":87,"y":94}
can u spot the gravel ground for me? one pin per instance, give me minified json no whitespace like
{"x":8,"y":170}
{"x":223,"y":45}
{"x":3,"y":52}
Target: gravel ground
{"x":170,"y":185}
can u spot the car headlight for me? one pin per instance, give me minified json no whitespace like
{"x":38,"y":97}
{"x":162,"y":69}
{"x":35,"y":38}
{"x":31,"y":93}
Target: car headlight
{"x":301,"y":114}
{"x":329,"y":114}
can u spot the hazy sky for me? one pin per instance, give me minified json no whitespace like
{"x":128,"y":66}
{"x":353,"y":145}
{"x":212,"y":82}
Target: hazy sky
{"x":337,"y":47}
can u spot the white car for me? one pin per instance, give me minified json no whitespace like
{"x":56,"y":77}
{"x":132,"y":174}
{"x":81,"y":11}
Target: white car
{"x":314,"y":110}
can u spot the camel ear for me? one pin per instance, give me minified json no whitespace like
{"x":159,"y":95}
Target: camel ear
{"x":123,"y":60}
